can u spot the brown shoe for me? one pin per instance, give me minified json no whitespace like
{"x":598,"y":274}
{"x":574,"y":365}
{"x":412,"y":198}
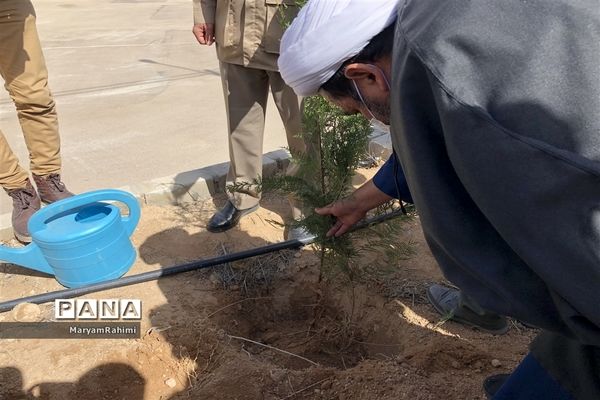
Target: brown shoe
{"x":25,"y":203}
{"x":51,"y":188}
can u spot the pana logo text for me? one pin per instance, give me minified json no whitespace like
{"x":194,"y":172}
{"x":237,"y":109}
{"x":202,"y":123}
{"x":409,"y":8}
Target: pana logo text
{"x":98,"y":309}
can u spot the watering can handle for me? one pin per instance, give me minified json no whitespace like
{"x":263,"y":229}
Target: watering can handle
{"x":130,"y":222}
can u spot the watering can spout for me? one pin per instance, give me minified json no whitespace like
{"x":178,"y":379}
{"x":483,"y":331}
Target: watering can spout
{"x":29,"y":256}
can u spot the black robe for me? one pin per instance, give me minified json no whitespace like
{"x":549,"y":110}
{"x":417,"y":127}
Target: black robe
{"x":496,"y":121}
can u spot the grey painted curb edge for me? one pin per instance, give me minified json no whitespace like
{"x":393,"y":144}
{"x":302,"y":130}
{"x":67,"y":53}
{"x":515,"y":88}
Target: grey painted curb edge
{"x":204,"y":183}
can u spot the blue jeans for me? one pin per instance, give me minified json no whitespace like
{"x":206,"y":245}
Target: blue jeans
{"x":530,"y":381}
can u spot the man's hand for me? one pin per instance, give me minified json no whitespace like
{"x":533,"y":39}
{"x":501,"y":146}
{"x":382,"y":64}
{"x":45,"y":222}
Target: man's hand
{"x":205,"y":33}
{"x":348,"y":211}
{"x":353,"y":208}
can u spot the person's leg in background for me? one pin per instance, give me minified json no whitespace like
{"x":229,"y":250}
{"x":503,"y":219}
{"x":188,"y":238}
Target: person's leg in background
{"x":290,"y":108}
{"x":26,"y":80}
{"x":15,"y":181}
{"x":23,"y":69}
{"x":246,"y":91}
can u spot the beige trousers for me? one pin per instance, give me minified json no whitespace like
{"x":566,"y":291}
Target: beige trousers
{"x":23,"y":69}
{"x":246,"y":91}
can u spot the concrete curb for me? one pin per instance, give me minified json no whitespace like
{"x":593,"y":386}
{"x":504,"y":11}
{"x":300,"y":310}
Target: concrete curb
{"x":198,"y":184}
{"x":204,"y":183}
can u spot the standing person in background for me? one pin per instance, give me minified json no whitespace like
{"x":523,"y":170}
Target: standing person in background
{"x":23,"y":69}
{"x":247,"y":35}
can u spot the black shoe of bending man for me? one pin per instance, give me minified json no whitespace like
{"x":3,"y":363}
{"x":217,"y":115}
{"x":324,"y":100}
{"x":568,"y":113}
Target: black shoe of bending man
{"x":227,"y":217}
{"x":450,"y":302}
{"x":25,"y":203}
{"x":493,"y":383}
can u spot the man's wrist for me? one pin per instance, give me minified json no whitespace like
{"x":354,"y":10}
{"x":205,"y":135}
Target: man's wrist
{"x":368,"y":196}
{"x":202,"y":21}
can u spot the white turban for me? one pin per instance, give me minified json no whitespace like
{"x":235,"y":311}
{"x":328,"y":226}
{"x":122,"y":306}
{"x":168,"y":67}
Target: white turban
{"x":325,"y":34}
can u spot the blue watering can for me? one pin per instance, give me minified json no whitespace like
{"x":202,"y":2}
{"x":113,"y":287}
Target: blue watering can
{"x":80,"y":240}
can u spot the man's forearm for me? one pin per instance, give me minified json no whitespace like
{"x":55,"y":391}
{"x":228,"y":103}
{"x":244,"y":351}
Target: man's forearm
{"x":368,"y":196}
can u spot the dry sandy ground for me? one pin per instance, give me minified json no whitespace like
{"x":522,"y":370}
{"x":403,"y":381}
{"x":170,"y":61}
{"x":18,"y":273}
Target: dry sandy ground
{"x":321,"y":339}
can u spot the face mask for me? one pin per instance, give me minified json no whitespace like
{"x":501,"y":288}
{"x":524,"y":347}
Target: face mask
{"x":376,"y":124}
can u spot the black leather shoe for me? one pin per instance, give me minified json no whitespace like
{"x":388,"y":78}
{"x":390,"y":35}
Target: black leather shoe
{"x":492,"y":384}
{"x":227,"y":217}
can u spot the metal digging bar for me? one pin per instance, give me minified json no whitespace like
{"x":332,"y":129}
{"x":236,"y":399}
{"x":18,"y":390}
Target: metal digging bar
{"x":177,"y":269}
